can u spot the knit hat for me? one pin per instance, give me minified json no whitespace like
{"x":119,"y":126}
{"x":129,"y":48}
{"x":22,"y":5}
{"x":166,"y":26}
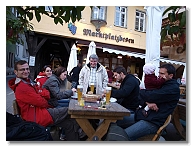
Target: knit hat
{"x":149,"y":68}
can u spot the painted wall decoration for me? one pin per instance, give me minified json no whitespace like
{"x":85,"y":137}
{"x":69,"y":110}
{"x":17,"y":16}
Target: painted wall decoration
{"x":72,"y":28}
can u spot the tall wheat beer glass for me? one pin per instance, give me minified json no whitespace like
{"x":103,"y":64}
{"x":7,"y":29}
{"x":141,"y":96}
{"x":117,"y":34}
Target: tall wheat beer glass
{"x":108,"y":94}
{"x":79,"y":92}
{"x":92,"y":87}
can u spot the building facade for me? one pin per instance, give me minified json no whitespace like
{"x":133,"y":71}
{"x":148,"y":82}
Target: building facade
{"x":119,"y":33}
{"x":121,"y":28}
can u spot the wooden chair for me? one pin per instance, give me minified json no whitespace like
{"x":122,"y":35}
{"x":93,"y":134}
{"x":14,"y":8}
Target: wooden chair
{"x":155,"y":137}
{"x":178,"y":115}
{"x":16,"y":111}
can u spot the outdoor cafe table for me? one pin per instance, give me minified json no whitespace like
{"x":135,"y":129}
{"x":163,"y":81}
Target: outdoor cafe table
{"x":91,"y":111}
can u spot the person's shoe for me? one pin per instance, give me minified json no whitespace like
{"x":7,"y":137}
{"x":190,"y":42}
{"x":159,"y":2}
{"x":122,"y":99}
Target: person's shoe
{"x":81,"y":133}
{"x":62,"y":137}
{"x":144,"y":113}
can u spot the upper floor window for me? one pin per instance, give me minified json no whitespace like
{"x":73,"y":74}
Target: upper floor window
{"x":140,"y":21}
{"x":14,"y":11}
{"x":99,"y":13}
{"x":49,"y":8}
{"x":121,"y":16}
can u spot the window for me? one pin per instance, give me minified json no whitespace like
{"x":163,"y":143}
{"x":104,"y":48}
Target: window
{"x":99,"y":13}
{"x":10,"y":60}
{"x":140,"y":21}
{"x":121,"y":16}
{"x":14,"y":11}
{"x":25,"y":50}
{"x":116,"y":62}
{"x":49,"y":8}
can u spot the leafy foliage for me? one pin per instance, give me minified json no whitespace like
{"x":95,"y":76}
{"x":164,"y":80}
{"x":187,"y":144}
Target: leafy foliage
{"x":21,"y":23}
{"x":173,"y":32}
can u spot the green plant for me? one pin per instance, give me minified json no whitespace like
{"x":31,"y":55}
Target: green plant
{"x":21,"y":23}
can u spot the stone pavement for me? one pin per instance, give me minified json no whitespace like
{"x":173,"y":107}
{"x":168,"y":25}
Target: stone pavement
{"x":171,"y":135}
{"x":9,"y":95}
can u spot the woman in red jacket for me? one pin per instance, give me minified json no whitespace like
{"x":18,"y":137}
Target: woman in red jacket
{"x":43,"y":75}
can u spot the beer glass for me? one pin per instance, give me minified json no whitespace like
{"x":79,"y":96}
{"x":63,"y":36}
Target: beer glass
{"x":108,"y":94}
{"x":82,"y":102}
{"x":92,"y":87}
{"x":79,"y":92}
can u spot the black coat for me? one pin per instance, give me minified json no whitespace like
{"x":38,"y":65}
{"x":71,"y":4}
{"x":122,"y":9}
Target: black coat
{"x":75,"y":73}
{"x":127,"y":94}
{"x":165,"y":98}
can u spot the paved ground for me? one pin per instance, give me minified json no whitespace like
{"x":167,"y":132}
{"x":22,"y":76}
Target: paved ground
{"x":9,"y":95}
{"x":171,"y":135}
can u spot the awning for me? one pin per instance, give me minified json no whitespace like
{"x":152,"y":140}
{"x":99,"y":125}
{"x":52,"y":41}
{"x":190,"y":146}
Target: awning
{"x":136,"y":55}
{"x":142,"y":56}
{"x":172,"y":61}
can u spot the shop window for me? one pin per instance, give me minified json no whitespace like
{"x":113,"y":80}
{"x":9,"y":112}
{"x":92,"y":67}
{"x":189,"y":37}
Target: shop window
{"x":121,"y":16}
{"x":116,"y":62}
{"x":140,"y":21}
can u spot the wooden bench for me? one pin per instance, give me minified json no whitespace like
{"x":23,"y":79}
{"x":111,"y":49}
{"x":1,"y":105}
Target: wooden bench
{"x":178,"y":115}
{"x":155,"y":137}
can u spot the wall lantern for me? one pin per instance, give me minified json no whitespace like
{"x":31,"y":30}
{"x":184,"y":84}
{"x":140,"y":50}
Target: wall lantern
{"x":119,"y":57}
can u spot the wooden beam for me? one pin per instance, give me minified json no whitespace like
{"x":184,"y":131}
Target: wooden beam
{"x":40,"y":44}
{"x":66,"y":46}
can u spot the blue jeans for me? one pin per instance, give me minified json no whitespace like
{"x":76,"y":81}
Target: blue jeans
{"x":140,"y":128}
{"x":127,"y":120}
{"x":63,"y":103}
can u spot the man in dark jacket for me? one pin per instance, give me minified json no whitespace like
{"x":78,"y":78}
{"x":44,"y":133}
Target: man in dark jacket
{"x":75,"y":76}
{"x":127,"y":94}
{"x":162,"y":103}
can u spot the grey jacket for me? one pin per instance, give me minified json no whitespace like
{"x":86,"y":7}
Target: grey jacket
{"x":53,"y":84}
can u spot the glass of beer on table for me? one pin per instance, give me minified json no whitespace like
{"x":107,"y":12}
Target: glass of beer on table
{"x":92,"y":87}
{"x":79,"y":92}
{"x":108,"y":94}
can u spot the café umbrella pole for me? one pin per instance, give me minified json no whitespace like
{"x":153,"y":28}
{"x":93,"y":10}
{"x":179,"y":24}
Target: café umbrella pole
{"x":153,"y":36}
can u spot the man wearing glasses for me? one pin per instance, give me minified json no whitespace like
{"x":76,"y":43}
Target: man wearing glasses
{"x":34,"y":106}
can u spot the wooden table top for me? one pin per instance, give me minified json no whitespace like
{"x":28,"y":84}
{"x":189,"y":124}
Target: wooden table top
{"x":114,"y":110}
